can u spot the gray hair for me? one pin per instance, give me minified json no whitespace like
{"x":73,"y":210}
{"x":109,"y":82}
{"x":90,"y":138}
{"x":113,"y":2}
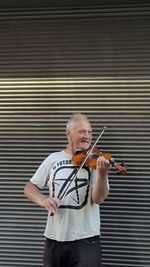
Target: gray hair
{"x":75,"y":117}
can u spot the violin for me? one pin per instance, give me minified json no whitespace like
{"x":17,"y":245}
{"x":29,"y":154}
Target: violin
{"x":91,"y":160}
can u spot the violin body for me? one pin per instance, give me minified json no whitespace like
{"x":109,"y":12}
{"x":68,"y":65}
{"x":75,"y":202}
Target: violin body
{"x":91,"y":160}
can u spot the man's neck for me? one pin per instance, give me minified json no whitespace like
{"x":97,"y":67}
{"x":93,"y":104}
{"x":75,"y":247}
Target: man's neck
{"x":69,"y":150}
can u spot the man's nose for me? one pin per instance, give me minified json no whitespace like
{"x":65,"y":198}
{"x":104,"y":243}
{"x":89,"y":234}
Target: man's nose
{"x":87,"y":135}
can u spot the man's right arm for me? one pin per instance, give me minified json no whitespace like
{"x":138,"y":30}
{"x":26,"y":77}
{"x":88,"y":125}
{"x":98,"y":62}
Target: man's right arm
{"x":33,"y":193}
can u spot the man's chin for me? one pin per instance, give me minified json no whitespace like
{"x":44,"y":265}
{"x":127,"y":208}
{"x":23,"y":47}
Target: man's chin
{"x":85,"y":147}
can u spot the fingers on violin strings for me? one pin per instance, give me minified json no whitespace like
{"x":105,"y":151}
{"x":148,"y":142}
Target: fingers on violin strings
{"x":102,"y":162}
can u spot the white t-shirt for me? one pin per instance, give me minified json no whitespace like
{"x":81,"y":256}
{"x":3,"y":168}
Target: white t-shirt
{"x":77,"y":217}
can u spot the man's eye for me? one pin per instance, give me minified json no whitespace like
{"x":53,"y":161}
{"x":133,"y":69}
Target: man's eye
{"x":82,"y":132}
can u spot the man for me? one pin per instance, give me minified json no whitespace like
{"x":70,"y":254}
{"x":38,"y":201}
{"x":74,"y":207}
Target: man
{"x":73,"y":225}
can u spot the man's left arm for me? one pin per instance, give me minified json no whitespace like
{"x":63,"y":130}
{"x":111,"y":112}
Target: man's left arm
{"x":101,"y":188}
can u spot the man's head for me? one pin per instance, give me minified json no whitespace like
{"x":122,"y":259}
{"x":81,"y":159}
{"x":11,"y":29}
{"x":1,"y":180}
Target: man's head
{"x":78,"y":132}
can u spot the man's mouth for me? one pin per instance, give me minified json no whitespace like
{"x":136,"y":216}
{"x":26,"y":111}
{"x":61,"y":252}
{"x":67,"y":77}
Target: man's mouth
{"x":85,"y":142}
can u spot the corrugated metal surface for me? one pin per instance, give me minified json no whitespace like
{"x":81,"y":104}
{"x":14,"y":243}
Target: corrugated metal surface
{"x":50,"y":68}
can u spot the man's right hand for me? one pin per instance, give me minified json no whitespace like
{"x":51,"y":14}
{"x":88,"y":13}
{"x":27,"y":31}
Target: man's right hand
{"x":33,"y":193}
{"x":51,"y":204}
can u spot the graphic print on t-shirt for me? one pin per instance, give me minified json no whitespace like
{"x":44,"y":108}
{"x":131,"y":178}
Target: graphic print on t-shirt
{"x":77,"y":193}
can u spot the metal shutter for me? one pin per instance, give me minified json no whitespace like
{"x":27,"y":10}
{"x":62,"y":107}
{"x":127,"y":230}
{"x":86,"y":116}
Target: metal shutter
{"x":53,"y":63}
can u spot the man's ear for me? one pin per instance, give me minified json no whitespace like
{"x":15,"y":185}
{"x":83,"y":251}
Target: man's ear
{"x":67,"y":133}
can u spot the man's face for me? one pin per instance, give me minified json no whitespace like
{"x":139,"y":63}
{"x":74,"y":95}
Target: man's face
{"x":80,"y":135}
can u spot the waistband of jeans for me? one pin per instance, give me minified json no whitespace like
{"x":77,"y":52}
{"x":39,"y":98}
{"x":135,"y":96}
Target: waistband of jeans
{"x":91,"y":238}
